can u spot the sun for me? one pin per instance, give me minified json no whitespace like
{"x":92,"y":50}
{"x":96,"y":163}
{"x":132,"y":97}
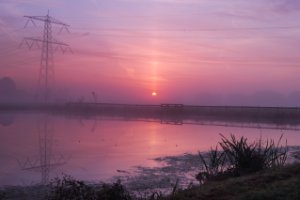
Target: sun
{"x":154,"y":93}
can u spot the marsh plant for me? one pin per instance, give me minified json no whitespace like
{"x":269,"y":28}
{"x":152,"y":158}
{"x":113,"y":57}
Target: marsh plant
{"x":239,"y":157}
{"x":213,"y":163}
{"x":2,"y":195}
{"x":68,"y":188}
{"x":113,"y":191}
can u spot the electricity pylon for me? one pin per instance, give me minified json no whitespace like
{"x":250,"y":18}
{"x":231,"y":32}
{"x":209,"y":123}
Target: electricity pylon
{"x":47,"y":42}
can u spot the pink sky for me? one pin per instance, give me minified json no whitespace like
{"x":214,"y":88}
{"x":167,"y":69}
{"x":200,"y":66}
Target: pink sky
{"x":191,"y":51}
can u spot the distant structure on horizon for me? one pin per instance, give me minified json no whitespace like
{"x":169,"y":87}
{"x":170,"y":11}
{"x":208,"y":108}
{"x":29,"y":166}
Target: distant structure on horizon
{"x":46,"y":71}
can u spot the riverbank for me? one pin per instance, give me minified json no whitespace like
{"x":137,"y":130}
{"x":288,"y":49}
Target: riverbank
{"x":176,"y":114}
{"x":277,"y":184}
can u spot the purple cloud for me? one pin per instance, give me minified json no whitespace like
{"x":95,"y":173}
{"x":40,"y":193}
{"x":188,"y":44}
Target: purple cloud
{"x":287,"y":6}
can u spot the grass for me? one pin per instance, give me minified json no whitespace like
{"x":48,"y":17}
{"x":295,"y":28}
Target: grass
{"x":214,"y":165}
{"x":255,"y":156}
{"x":239,"y":157}
{"x":2,"y":195}
{"x":279,"y":184}
{"x":69,"y":188}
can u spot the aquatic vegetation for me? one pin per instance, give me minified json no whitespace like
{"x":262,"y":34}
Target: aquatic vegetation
{"x":2,"y":195}
{"x":246,"y":158}
{"x":112,"y":192}
{"x":214,"y":164}
{"x":68,"y":188}
{"x":238,"y":157}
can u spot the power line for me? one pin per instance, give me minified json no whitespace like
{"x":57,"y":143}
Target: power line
{"x":192,"y":29}
{"x":183,"y":37}
{"x":193,"y":59}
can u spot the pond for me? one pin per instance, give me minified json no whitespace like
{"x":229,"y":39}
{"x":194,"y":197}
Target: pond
{"x":36,"y":147}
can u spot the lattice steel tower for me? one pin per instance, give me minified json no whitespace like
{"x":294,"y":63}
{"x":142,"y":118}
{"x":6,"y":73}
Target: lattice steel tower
{"x":47,"y":42}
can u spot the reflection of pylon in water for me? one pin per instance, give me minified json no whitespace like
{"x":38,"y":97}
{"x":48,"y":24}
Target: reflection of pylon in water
{"x":47,"y":160}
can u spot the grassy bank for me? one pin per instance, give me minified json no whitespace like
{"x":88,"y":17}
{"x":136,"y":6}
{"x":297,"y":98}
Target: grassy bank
{"x":245,"y":171}
{"x":278,"y":184}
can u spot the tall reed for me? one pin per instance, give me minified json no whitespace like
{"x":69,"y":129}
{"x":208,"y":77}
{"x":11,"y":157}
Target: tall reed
{"x":238,"y":157}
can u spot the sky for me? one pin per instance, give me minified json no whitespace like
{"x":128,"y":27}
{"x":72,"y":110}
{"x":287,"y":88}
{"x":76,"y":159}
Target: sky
{"x":200,"y":52}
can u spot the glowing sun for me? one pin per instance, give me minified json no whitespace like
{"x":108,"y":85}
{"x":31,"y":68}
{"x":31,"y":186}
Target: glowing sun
{"x":154,"y":94}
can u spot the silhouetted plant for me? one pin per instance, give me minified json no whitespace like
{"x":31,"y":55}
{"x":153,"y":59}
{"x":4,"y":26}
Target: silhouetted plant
{"x":214,"y":164}
{"x":155,"y":196}
{"x":246,"y":158}
{"x":2,"y":195}
{"x":112,"y":192}
{"x":68,"y":188}
{"x":238,"y":157}
{"x":175,"y":189}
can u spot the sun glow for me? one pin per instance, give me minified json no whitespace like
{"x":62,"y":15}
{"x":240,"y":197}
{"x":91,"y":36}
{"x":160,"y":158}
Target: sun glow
{"x":154,"y":94}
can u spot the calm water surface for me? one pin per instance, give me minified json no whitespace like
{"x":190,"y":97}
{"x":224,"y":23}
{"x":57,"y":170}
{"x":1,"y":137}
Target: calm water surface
{"x":36,"y":147}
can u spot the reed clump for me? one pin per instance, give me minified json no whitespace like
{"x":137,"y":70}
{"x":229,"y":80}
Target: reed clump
{"x":238,"y":157}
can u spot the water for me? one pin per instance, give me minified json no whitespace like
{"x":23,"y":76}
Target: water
{"x":35,"y":148}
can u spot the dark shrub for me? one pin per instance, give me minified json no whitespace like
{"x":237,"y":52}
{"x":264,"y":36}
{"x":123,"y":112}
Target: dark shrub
{"x":113,"y":192}
{"x":68,"y":188}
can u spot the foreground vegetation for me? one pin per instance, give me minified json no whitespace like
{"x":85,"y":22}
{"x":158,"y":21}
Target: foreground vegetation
{"x":239,"y":157}
{"x":240,"y":170}
{"x":278,"y":184}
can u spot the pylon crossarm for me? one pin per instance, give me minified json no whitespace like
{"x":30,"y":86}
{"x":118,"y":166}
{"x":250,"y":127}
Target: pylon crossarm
{"x":55,"y":21}
{"x":47,"y":18}
{"x":39,"y":167}
{"x":64,"y":28}
{"x":29,"y":20}
{"x":41,"y":40}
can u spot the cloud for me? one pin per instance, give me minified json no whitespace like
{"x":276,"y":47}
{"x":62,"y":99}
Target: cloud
{"x":242,"y":16}
{"x":287,"y":6}
{"x":171,"y":1}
